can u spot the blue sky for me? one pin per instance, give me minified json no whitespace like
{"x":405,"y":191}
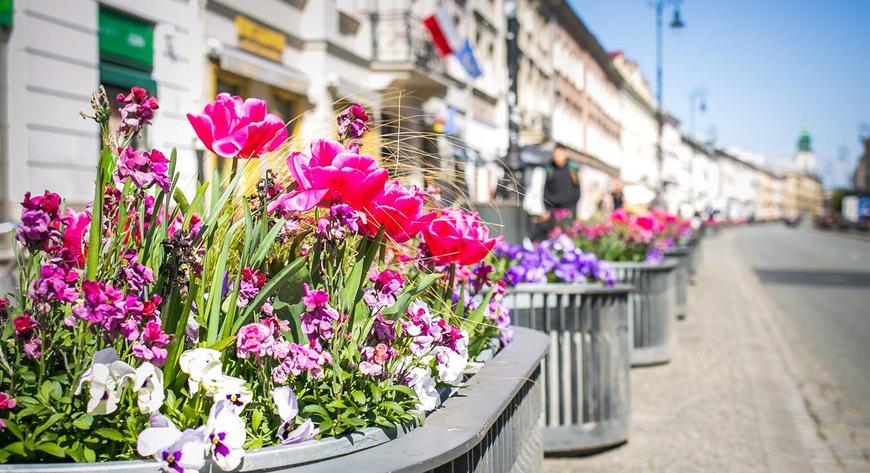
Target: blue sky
{"x":770,"y":68}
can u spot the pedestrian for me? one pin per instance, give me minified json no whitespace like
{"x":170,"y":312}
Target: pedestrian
{"x":616,"y":196}
{"x":552,"y":189}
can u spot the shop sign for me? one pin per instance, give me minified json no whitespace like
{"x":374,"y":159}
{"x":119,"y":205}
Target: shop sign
{"x":260,"y":40}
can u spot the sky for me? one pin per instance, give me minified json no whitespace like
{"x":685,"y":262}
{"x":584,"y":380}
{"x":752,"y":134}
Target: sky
{"x":769,"y":68}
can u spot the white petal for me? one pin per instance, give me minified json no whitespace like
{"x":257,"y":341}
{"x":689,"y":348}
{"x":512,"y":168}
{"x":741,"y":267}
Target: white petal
{"x":285,"y":402}
{"x":231,"y":461}
{"x":192,"y":450}
{"x":155,"y":439}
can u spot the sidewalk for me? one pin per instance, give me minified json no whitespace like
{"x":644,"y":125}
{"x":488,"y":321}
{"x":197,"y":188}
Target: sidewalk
{"x":726,"y":401}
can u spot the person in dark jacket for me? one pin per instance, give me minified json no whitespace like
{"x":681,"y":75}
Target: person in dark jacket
{"x":562,"y":188}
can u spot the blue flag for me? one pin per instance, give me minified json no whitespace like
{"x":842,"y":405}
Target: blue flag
{"x":465,"y":55}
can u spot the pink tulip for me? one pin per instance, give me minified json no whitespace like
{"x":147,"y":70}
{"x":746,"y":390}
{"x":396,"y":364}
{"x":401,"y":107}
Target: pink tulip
{"x":76,"y":227}
{"x":619,"y":216}
{"x":331,"y":174}
{"x":233,"y":128}
{"x":456,"y":236}
{"x":399,"y":210}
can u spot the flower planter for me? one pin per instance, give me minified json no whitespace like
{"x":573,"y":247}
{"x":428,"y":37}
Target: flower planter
{"x":650,"y":309}
{"x":586,"y":372}
{"x":683,"y":255}
{"x":694,"y":257}
{"x":494,"y":425}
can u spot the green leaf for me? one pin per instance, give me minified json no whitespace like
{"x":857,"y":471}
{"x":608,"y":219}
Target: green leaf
{"x":48,"y":423}
{"x":16,"y":448}
{"x":256,"y":419}
{"x":214,"y":294}
{"x":401,"y":388}
{"x":358,"y":397}
{"x":89,"y":455}
{"x":393,"y":406}
{"x":181,"y":200}
{"x":318,"y":410}
{"x":111,"y":434}
{"x":266,"y":244}
{"x":217,"y":206}
{"x":51,"y":449}
{"x":267,"y":291}
{"x":84,"y":422}
{"x":220,"y":345}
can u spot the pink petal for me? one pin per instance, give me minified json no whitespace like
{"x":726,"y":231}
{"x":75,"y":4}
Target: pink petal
{"x":204,"y":129}
{"x":324,"y":151}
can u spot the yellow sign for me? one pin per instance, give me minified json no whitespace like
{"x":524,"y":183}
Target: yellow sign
{"x":260,"y":40}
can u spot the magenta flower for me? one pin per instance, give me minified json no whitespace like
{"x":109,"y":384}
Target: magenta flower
{"x":39,"y":220}
{"x":331,"y":174}
{"x":352,"y":122}
{"x":301,"y":359}
{"x":399,"y":210}
{"x":151,"y":343}
{"x":54,"y":284}
{"x":144,"y":168}
{"x":249,"y":286}
{"x":387,"y":285}
{"x":234,"y":128}
{"x":456,"y":236}
{"x":76,"y":225}
{"x":319,"y":317}
{"x":137,"y":110}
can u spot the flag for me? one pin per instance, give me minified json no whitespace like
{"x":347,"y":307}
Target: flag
{"x":443,"y":32}
{"x":465,"y":55}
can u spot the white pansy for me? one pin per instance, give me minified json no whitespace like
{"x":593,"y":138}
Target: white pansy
{"x":225,"y":436}
{"x":203,"y":368}
{"x":305,"y":432}
{"x":420,"y":380}
{"x":235,"y":392}
{"x":107,"y":377}
{"x":148,"y":387}
{"x":174,"y":450}
{"x":285,"y":403}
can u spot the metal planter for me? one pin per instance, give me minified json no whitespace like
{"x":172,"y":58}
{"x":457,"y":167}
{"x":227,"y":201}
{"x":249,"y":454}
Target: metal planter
{"x":650,"y":308}
{"x":586,"y":373}
{"x":494,"y":425}
{"x":682,"y":275}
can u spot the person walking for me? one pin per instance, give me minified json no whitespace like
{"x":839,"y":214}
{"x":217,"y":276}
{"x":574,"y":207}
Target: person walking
{"x":552,"y":189}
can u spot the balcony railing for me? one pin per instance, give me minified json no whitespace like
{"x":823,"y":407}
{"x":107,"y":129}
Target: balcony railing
{"x":399,"y":38}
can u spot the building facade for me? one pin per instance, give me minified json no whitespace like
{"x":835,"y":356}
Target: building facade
{"x":118,"y":43}
{"x":586,"y":111}
{"x":638,"y":136}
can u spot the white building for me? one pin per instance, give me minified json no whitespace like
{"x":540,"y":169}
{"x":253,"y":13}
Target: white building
{"x":639,"y":134}
{"x":704,"y":185}
{"x":56,"y":53}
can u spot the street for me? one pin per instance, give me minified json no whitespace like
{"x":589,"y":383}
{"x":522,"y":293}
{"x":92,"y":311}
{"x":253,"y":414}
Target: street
{"x":770,"y":370}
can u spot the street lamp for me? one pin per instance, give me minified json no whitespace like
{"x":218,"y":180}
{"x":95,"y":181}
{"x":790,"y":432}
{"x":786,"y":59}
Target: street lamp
{"x":676,"y":23}
{"x":697,"y":102}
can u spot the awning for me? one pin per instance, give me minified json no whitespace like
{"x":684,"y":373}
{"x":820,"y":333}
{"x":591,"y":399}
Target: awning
{"x":277,"y":75}
{"x":126,"y":77}
{"x":343,"y":89}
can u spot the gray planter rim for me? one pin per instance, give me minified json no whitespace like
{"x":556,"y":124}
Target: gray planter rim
{"x":513,"y":363}
{"x":571,"y":288}
{"x":677,"y":251}
{"x":666,"y":265}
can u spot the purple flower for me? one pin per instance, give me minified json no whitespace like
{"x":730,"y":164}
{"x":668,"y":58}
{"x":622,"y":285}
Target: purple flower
{"x":137,"y":110}
{"x":383,"y":330}
{"x":144,"y":168}
{"x":387,"y":285}
{"x":254,"y":339}
{"x":655,"y":255}
{"x":54,"y":284}
{"x":32,"y":348}
{"x":39,"y":220}
{"x":352,"y":122}
{"x":342,"y":219}
{"x":319,"y":317}
{"x":301,"y":359}
{"x":249,"y":286}
{"x":137,"y":276}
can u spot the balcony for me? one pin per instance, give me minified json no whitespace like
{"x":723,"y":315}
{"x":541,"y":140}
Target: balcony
{"x":401,"y":45}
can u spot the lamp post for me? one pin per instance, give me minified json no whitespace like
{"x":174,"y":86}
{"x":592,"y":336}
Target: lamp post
{"x":676,"y":23}
{"x":513,"y":151}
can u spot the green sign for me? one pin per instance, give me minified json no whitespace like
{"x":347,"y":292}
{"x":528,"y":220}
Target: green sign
{"x":126,"y":40}
{"x":6,"y":13}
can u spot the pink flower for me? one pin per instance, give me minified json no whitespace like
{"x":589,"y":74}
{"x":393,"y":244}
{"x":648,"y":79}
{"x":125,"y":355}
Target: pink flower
{"x":23,"y":324}
{"x":352,"y":122}
{"x":254,"y":339}
{"x":399,"y":210}
{"x":456,"y":236}
{"x":236,"y":128}
{"x":144,"y":168}
{"x":137,"y":110}
{"x":619,"y":216}
{"x":77,"y":224}
{"x":331,"y":174}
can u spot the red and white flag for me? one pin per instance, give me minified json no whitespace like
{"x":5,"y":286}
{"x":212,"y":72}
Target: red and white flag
{"x":443,"y":32}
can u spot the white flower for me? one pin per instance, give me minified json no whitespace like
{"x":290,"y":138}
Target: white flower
{"x":234,"y":391}
{"x":225,"y":435}
{"x":285,"y":403}
{"x":451,"y":364}
{"x":420,"y":380}
{"x":107,"y":377}
{"x":148,"y":387}
{"x":176,"y":451}
{"x":203,"y":367}
{"x":287,"y":406}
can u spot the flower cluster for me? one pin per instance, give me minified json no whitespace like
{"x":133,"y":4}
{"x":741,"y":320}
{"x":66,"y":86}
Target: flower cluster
{"x":40,"y":219}
{"x":137,"y":110}
{"x":621,"y":237}
{"x":553,"y":260}
{"x":144,"y":168}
